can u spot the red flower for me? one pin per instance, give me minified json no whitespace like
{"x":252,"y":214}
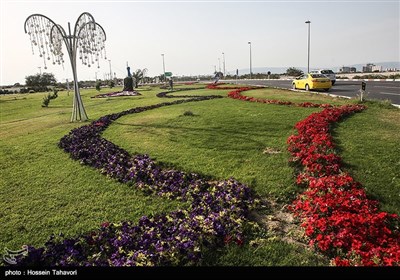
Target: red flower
{"x":105,"y":224}
{"x":227,"y":239}
{"x":239,"y":241}
{"x":335,"y":210}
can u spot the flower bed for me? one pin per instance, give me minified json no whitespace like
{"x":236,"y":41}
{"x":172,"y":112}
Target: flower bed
{"x":337,"y":216}
{"x":116,"y":94}
{"x":215,"y":216}
{"x":236,"y":94}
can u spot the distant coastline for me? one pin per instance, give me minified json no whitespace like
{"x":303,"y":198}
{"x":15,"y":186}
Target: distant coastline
{"x":281,"y":70}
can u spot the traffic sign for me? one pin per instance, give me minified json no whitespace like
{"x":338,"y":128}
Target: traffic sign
{"x":168,"y":74}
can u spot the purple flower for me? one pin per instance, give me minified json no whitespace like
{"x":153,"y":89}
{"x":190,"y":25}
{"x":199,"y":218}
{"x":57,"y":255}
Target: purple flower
{"x":216,"y":210}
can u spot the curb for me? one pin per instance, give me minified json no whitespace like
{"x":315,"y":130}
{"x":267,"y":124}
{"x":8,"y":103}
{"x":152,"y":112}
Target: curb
{"x":370,"y":80}
{"x":324,"y":93}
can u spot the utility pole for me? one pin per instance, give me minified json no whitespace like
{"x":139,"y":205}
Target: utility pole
{"x":163,"y":63}
{"x":250,"y":60}
{"x":308,"y":57}
{"x":109,"y":62}
{"x":223,"y":62}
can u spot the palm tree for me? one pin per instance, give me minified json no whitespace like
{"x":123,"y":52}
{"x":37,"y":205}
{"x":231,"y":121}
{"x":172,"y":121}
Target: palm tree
{"x":139,"y":75}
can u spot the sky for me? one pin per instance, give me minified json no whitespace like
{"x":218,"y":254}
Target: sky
{"x":192,"y":35}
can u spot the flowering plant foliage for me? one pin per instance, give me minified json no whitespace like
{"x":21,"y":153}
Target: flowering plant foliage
{"x":236,"y":94}
{"x":116,"y":94}
{"x":337,"y":216}
{"x":216,"y":213}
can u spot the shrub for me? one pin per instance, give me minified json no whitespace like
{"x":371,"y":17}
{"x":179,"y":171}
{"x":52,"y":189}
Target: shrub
{"x":394,"y":76}
{"x":98,"y":85}
{"x":188,"y":113}
{"x":370,"y":76}
{"x":275,"y":76}
{"x":294,"y":72}
{"x":46,"y":99}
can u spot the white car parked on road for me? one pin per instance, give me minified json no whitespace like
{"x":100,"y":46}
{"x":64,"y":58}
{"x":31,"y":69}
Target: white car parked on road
{"x":327,"y":72}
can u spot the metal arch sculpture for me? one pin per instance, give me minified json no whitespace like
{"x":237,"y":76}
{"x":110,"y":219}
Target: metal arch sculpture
{"x":87,"y":41}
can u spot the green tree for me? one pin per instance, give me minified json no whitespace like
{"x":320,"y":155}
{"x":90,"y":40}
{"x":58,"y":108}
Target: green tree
{"x":40,"y":82}
{"x":139,"y":75}
{"x":98,"y":86}
{"x":161,"y":78}
{"x":294,"y":72}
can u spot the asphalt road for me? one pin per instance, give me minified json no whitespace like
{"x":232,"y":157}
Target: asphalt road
{"x":381,"y":90}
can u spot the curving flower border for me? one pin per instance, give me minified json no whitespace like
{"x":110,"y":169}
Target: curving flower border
{"x":236,"y":94}
{"x":337,"y":216}
{"x":117,"y":94}
{"x":215,"y":216}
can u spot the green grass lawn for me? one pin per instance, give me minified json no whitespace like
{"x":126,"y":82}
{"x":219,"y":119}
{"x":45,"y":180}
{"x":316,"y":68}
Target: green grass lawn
{"x":295,"y":96}
{"x":217,"y":143}
{"x":43,"y":191}
{"x":369,"y":143}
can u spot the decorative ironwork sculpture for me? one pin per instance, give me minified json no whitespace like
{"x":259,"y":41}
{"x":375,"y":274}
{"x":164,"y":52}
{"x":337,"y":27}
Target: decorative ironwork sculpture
{"x":87,"y":42}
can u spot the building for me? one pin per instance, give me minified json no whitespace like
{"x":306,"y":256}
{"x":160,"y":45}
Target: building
{"x":347,"y":69}
{"x":370,"y":67}
{"x":392,"y":69}
{"x":376,"y":68}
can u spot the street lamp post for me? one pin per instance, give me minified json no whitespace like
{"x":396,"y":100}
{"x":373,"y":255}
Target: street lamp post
{"x":250,"y":59}
{"x":109,"y":62}
{"x":163,"y":65}
{"x":223,"y":62}
{"x":219,"y":64}
{"x":87,"y":43}
{"x":308,"y":57}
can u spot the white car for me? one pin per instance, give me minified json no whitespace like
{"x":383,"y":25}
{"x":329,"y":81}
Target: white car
{"x":327,"y":72}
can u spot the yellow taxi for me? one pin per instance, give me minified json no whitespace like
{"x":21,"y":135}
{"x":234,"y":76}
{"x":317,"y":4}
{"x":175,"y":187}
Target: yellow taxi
{"x":312,"y":81}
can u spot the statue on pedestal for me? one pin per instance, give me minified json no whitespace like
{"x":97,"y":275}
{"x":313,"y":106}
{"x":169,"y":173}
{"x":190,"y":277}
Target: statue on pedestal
{"x":128,"y":90}
{"x":129,"y":81}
